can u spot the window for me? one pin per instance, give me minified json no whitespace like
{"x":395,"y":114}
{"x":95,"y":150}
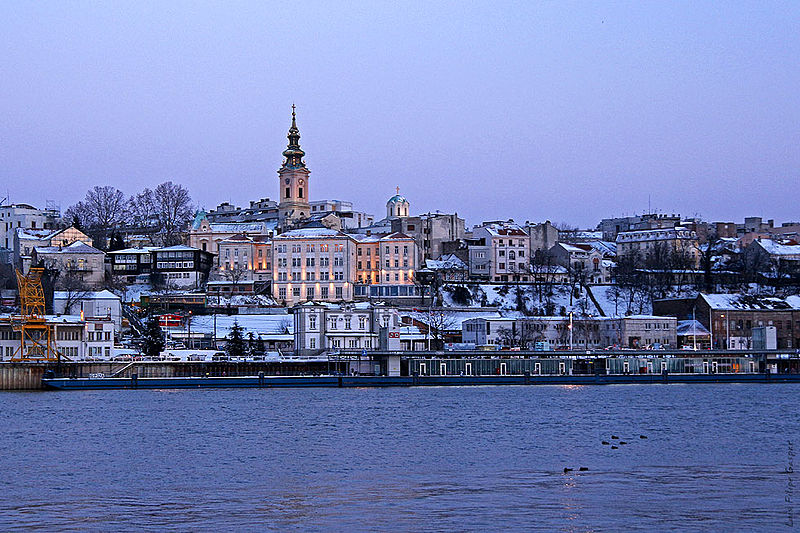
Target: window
{"x":323,"y":292}
{"x":396,"y":250}
{"x":296,"y":292}
{"x":405,"y":250}
{"x":312,"y":322}
{"x":347,"y":322}
{"x":310,"y":276}
{"x":339,"y":293}
{"x":362,"y":322}
{"x":282,"y":293}
{"x":300,"y":192}
{"x":312,"y":343}
{"x":288,"y":192}
{"x":309,"y":293}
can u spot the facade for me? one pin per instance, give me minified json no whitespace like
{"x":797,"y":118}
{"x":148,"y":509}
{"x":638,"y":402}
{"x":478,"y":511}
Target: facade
{"x":90,"y":304}
{"x":430,"y":231}
{"x":313,"y":264}
{"x":182,"y":267}
{"x":731,"y":318}
{"x":245,"y":258}
{"x":553,"y":332}
{"x":207,"y":235}
{"x":582,"y":258}
{"x":24,"y":241}
{"x":645,"y":242}
{"x":74,"y":338}
{"x":543,"y":236}
{"x":77,"y":262}
{"x":611,"y":227}
{"x":24,"y":217}
{"x":320,"y":327}
{"x":508,"y":250}
{"x":130,"y":263}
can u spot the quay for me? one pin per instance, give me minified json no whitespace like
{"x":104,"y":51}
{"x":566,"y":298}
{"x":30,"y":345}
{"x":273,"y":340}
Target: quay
{"x":406,"y":369}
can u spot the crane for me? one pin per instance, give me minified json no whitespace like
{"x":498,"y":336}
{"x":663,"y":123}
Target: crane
{"x":35,"y":334}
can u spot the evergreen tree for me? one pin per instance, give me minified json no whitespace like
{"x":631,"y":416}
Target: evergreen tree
{"x":235,"y":346}
{"x":153,"y":340}
{"x":251,"y":343}
{"x":260,"y":347}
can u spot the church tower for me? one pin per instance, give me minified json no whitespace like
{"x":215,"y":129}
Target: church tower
{"x":293,"y":179}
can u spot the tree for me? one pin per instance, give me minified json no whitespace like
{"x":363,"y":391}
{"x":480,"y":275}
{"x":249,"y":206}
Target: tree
{"x":153,"y":341}
{"x":251,"y":343}
{"x":235,"y":273}
{"x":102,"y":209}
{"x":235,"y":346}
{"x":438,"y":322}
{"x":173,"y":211}
{"x":116,"y":242}
{"x":72,"y":288}
{"x":518,"y":335}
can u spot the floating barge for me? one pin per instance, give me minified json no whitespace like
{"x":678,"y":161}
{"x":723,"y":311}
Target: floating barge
{"x":387,"y":369}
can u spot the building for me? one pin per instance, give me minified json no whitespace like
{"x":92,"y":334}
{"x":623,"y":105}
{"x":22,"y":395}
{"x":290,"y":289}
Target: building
{"x":430,"y":231}
{"x":507,"y":249}
{"x":207,"y":235}
{"x":181,"y":266}
{"x":449,"y":267}
{"x":362,"y":326}
{"x":611,"y":227}
{"x":731,"y":318}
{"x":24,"y":217}
{"x":651,"y":241}
{"x":130,"y":263}
{"x":582,"y":259}
{"x":769,"y":255}
{"x":245,"y":258}
{"x":78,"y":264}
{"x":313,"y":264}
{"x":586,"y":333}
{"x":74,"y":338}
{"x":543,"y":236}
{"x":24,"y":241}
{"x":89,"y":304}
{"x":349,"y":219}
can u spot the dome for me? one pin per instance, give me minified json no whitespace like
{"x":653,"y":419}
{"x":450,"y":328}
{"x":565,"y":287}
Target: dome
{"x":397,"y":199}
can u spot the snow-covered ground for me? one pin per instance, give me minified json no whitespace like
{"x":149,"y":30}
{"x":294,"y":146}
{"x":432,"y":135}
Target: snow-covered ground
{"x":257,"y":324}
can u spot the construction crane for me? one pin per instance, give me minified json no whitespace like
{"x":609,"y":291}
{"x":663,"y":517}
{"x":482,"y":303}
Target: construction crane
{"x":35,"y":334}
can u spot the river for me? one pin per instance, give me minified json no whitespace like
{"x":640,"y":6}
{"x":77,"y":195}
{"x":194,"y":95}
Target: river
{"x":420,"y":459}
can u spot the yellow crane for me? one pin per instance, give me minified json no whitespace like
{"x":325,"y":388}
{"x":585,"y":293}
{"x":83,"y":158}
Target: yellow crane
{"x":35,"y":334}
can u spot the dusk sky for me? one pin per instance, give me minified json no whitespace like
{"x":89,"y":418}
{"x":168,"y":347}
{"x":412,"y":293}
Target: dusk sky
{"x":567,"y":111}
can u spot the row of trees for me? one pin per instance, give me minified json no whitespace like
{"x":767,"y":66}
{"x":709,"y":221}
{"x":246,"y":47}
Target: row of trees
{"x":162,"y":213}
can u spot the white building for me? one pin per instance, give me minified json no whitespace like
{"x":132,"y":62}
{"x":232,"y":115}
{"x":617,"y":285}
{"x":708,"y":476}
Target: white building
{"x":25,"y":217}
{"x":74,"y":338}
{"x":508,"y":249}
{"x":319,"y":327}
{"x":91,"y":304}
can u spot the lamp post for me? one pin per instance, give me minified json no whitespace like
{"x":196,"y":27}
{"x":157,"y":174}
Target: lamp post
{"x":570,"y":331}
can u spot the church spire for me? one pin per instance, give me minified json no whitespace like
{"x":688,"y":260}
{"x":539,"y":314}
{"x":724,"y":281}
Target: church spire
{"x":293,"y":153}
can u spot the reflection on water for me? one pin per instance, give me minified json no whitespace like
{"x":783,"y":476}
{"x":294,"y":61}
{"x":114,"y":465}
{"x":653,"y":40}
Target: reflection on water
{"x":415,"y":459}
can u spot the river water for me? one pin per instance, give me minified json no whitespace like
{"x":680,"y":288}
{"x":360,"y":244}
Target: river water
{"x":418,"y":459}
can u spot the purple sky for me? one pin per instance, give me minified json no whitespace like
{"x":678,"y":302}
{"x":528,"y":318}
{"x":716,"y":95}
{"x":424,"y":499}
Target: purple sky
{"x":561,"y":111}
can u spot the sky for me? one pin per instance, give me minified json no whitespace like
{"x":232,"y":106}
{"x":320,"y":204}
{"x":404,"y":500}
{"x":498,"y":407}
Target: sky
{"x":561,"y":111}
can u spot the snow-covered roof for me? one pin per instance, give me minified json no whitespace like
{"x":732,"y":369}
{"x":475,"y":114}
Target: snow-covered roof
{"x":264,"y":325}
{"x":177,"y":248}
{"x":692,"y":327}
{"x":242,"y":227}
{"x":604,"y":247}
{"x":143,"y":250}
{"x":55,"y":319}
{"x":776,"y":248}
{"x":505,"y":230}
{"x":88,"y":295}
{"x":312,"y":233}
{"x":36,"y":234}
{"x":396,"y":236}
{"x":446,"y":262}
{"x":364,"y":238}
{"x":745,"y":302}
{"x":77,"y":247}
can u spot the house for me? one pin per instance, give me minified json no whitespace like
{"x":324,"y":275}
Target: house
{"x":24,"y":241}
{"x":25,"y":217}
{"x":131,"y":263}
{"x":89,"y":304}
{"x":450,"y":268}
{"x":507,"y":248}
{"x":360,"y":326}
{"x":182,"y":266}
{"x":77,"y":264}
{"x":650,"y":242}
{"x":583,"y":259}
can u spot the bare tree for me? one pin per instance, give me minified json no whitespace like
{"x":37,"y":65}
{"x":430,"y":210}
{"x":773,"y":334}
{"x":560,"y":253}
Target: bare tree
{"x":102,"y":209}
{"x":517,"y":336}
{"x":438,"y":321}
{"x":142,"y":209}
{"x":173,"y":211}
{"x":235,"y":274}
{"x":72,"y":289}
